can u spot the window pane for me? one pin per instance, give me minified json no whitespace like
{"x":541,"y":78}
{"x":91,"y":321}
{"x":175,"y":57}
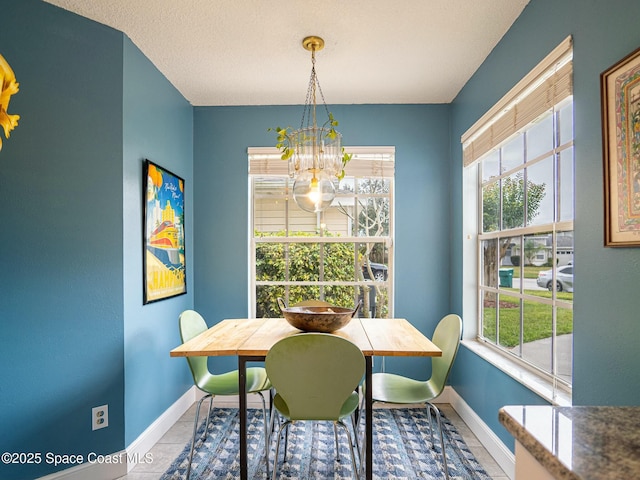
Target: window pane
{"x":564,"y":346}
{"x":304,"y":262}
{"x":338,"y":262}
{"x":270,"y":262}
{"x":540,"y":138}
{"x":538,"y":329}
{"x":513,"y":255}
{"x":266,"y":301}
{"x":489,"y":315}
{"x":513,"y":201}
{"x":375,"y":301}
{"x":513,"y":153}
{"x":565,"y":119}
{"x":373,"y":216}
{"x":270,"y":203}
{"x":491,"y":165}
{"x":491,"y":207}
{"x":373,"y":261}
{"x":537,"y":250}
{"x":341,"y":295}
{"x":508,"y":321}
{"x":564,"y":248}
{"x":565,"y":185}
{"x":489,"y":263}
{"x":540,"y":204}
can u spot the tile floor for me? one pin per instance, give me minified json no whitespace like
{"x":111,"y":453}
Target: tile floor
{"x":172,"y":443}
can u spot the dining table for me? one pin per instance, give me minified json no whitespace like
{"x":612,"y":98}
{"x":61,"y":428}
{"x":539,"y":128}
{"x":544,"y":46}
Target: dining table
{"x":250,"y":339}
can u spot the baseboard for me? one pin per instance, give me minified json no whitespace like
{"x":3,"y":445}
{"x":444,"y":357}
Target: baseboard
{"x":140,"y":446}
{"x":124,"y":460}
{"x":490,"y":441}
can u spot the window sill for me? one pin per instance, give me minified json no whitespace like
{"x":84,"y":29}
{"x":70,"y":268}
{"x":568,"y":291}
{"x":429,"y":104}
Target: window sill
{"x":537,"y":383}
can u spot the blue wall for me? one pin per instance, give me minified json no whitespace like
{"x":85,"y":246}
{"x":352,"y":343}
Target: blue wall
{"x":606,"y":332}
{"x":158,"y":125}
{"x":61,"y":282}
{"x":420,"y":134}
{"x":73,"y":331}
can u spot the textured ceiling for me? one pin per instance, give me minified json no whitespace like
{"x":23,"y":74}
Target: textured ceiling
{"x":249,"y":52}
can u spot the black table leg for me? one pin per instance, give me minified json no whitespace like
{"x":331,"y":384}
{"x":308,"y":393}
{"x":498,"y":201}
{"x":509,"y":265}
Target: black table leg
{"x":242,"y":389}
{"x":242,"y":384}
{"x":368,"y":397}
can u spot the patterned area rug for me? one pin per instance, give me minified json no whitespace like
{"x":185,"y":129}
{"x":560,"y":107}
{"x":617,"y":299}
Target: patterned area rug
{"x":402,"y":450}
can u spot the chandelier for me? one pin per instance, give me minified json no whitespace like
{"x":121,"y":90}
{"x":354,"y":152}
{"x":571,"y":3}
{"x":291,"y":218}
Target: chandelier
{"x":314,"y":152}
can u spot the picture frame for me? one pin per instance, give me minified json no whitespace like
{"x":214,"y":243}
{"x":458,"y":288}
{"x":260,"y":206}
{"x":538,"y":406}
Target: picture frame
{"x":620,"y":97}
{"x":164,"y":261}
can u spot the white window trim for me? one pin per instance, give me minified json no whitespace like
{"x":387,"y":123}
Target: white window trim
{"x":373,"y":162}
{"x":539,"y":383}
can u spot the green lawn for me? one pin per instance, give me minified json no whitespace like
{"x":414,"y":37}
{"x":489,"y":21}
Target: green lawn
{"x":537,"y":323}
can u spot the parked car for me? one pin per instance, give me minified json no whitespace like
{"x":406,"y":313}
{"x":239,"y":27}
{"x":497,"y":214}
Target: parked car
{"x":379,"y":271}
{"x":564,"y":279}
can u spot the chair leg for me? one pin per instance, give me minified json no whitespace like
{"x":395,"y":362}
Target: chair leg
{"x":266,"y":432}
{"x":354,"y":465}
{"x":285,"y":425}
{"x":286,"y":440}
{"x":354,"y":424}
{"x":430,"y":425}
{"x":335,"y":438}
{"x":444,"y":454}
{"x":195,"y":430}
{"x":206,"y":423}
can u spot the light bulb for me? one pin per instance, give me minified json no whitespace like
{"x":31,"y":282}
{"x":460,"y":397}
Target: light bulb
{"x":313,"y":193}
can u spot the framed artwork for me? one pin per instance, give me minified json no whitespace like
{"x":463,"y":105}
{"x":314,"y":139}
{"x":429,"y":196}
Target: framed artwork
{"x":620,"y":96}
{"x":164,"y":266}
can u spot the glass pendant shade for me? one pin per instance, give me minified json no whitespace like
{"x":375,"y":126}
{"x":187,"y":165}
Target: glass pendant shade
{"x":313,"y":192}
{"x":316,"y":149}
{"x":314,"y":152}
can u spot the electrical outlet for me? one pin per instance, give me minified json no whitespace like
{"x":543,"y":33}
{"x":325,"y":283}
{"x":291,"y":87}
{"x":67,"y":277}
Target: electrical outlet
{"x":99,"y":417}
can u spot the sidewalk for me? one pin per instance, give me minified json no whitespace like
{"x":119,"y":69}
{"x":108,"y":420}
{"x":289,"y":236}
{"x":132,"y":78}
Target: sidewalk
{"x":539,"y":353}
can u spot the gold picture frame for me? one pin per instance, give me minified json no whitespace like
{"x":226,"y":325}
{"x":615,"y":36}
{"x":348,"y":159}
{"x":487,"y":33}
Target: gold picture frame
{"x":620,"y":96}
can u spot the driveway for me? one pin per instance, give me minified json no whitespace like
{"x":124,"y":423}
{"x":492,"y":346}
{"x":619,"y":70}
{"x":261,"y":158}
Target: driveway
{"x":529,"y":284}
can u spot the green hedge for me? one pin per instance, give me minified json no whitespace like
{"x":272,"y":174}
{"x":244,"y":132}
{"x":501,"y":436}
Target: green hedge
{"x":304,"y":261}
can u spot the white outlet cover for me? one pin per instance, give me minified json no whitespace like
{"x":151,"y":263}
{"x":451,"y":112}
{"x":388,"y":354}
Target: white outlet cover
{"x":99,"y":417}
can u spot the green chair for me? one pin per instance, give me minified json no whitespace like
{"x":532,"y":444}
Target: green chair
{"x":317,"y":303}
{"x":192,"y":324}
{"x":391,"y":388}
{"x":315,"y":375}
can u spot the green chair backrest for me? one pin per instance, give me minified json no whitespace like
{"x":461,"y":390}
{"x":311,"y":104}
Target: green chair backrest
{"x":447,"y":337}
{"x":314,"y":373}
{"x":191,"y":325}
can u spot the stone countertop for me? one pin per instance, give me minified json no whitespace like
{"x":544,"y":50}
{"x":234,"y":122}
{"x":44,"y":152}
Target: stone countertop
{"x":595,"y":443}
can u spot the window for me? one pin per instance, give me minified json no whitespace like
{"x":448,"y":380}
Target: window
{"x":342,"y":255}
{"x":519,"y":160}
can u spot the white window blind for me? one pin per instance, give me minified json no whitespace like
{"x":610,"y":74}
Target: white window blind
{"x":537,"y":93}
{"x":366,"y":162}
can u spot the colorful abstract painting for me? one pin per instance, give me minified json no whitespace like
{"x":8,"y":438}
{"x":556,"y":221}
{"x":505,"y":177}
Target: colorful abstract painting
{"x":164,"y":257}
{"x":621,"y":136}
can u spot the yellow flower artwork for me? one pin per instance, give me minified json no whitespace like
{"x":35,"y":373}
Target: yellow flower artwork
{"x":8,"y":87}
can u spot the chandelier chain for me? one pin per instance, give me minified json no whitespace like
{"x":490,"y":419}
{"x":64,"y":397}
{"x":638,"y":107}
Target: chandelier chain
{"x":309,"y":112}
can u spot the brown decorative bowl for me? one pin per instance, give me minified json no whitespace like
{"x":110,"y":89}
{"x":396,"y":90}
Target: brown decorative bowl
{"x":316,"y":316}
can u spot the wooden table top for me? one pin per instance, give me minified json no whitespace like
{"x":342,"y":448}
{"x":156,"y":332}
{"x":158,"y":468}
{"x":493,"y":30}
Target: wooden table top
{"x":255,"y":336}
